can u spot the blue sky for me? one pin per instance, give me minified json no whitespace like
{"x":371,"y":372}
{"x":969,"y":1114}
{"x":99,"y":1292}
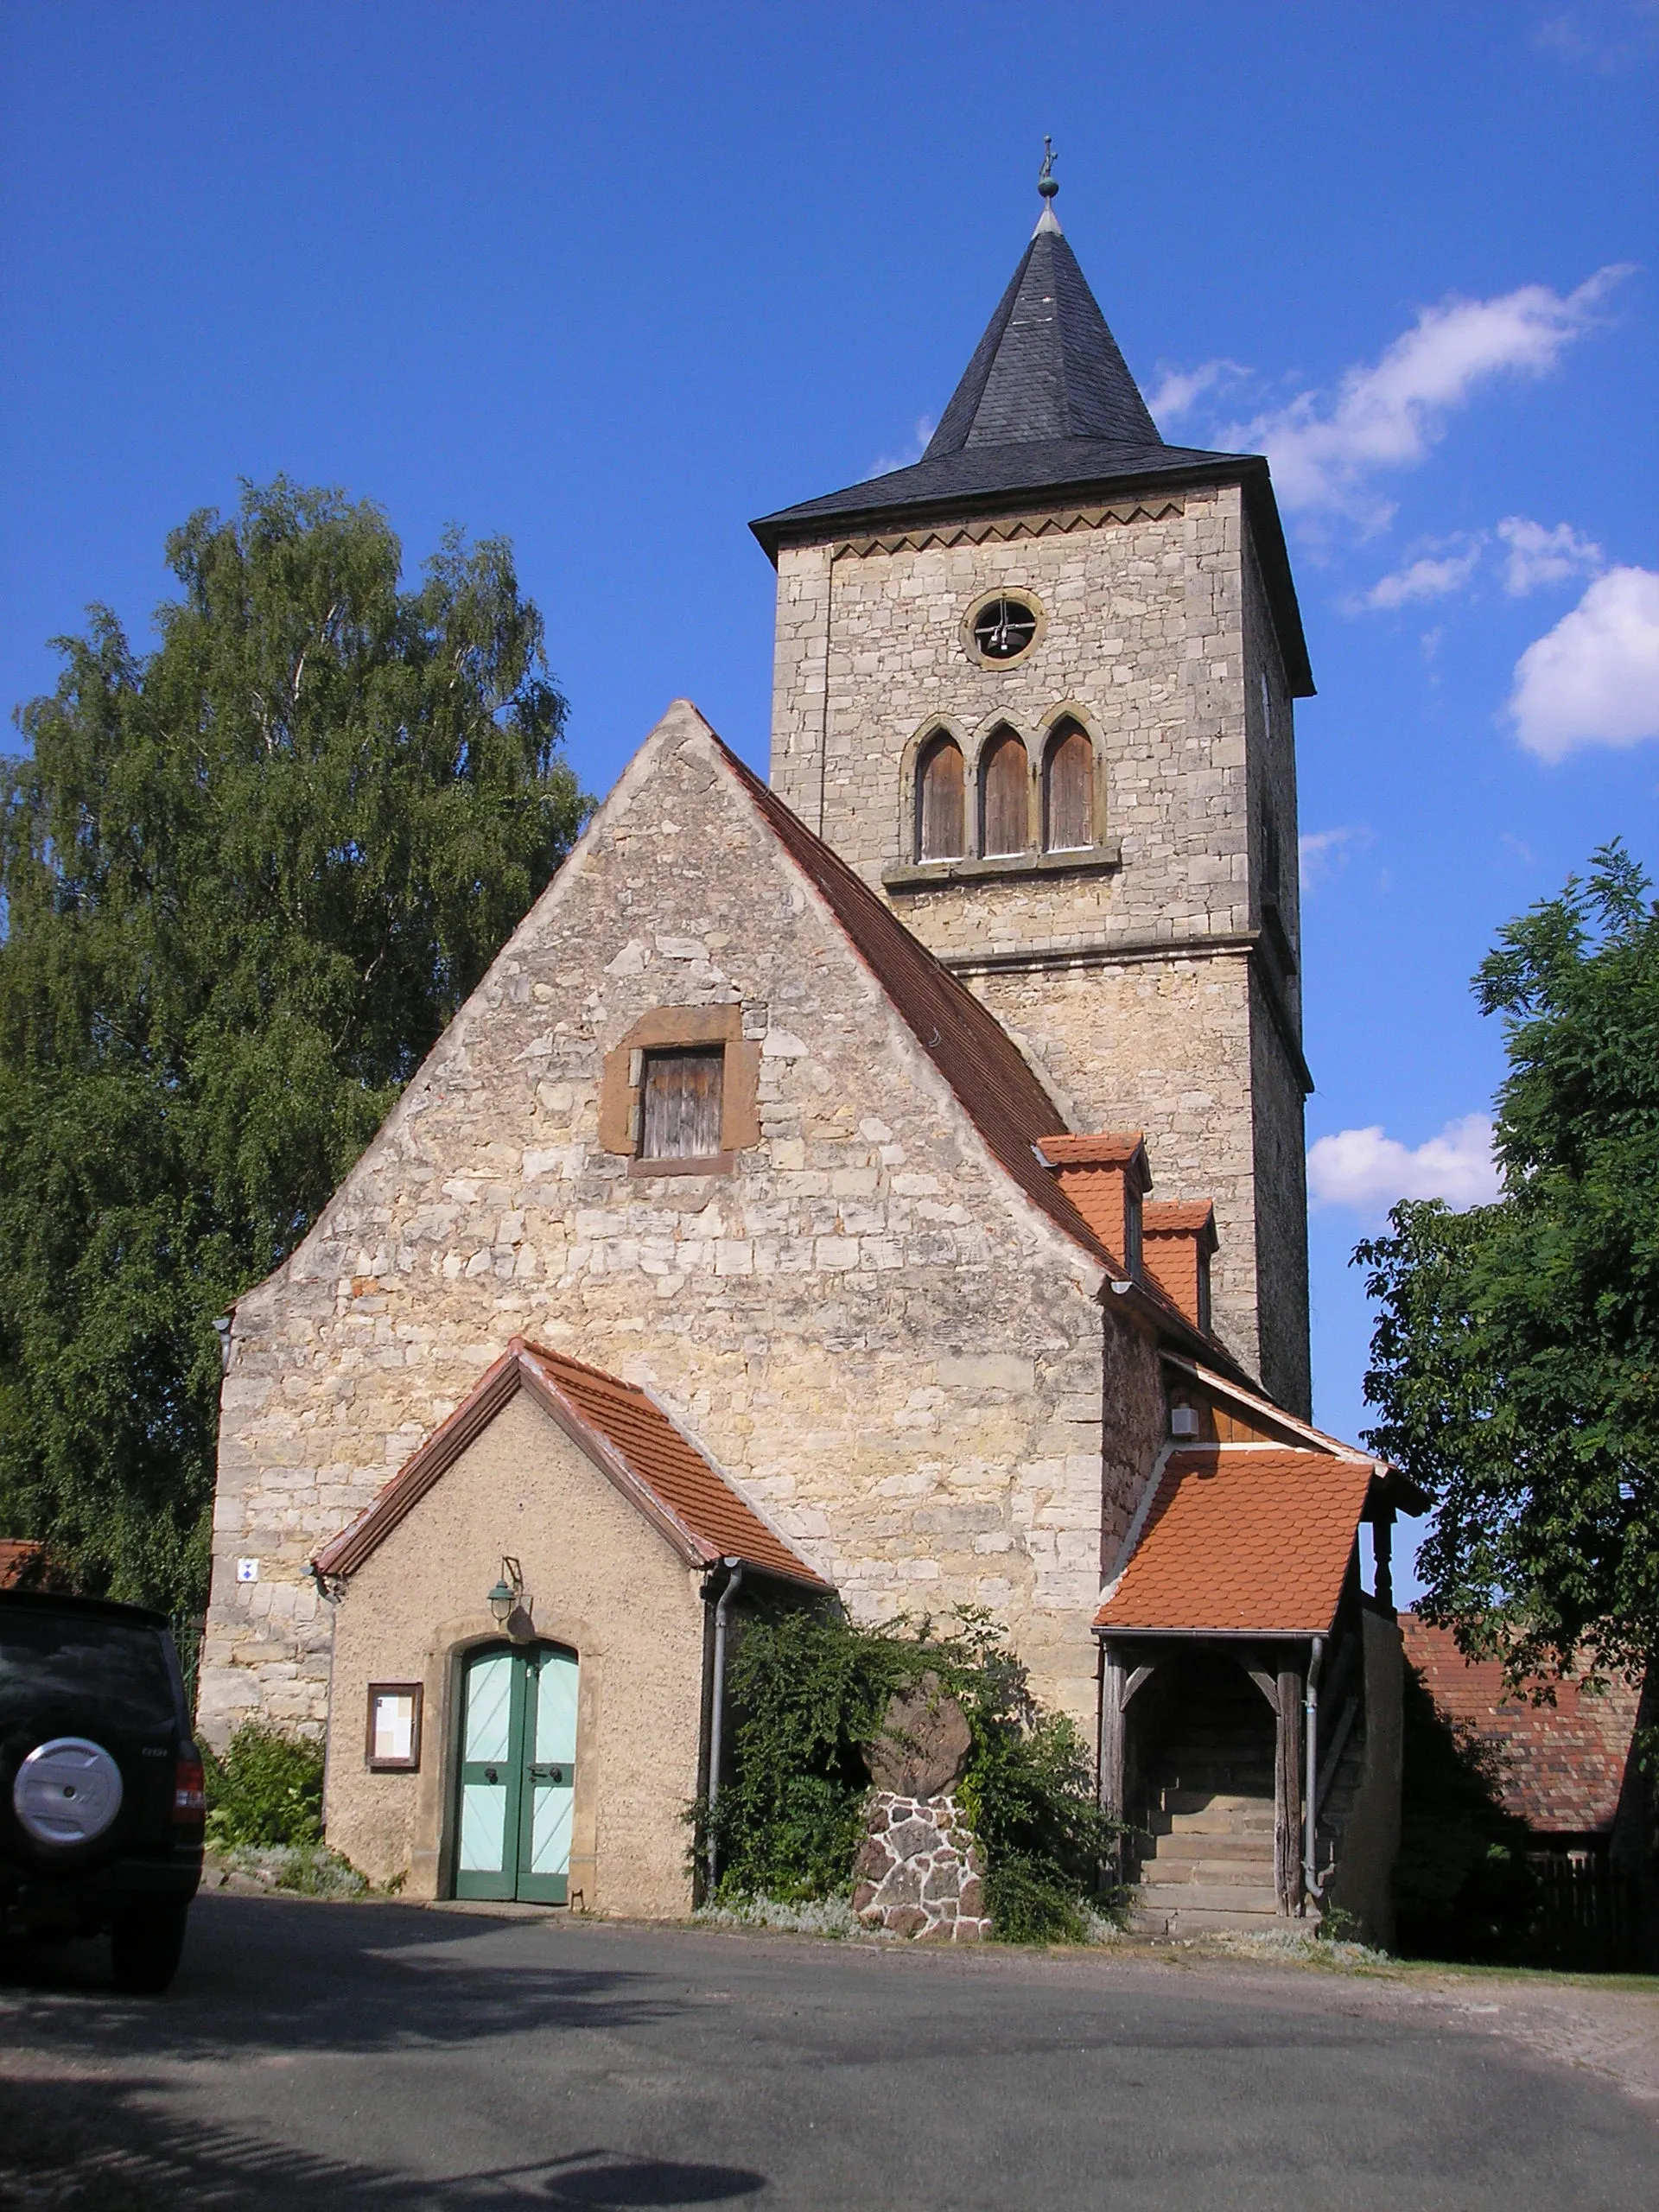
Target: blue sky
{"x":611,"y":282}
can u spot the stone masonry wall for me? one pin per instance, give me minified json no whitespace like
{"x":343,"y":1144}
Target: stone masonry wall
{"x":919,"y":1873}
{"x":1156,"y":635}
{"x":896,"y":1357}
{"x":1163,"y":1046}
{"x":1280,"y":1186}
{"x":1142,"y":640}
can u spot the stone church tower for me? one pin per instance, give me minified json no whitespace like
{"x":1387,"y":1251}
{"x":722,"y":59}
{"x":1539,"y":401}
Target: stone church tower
{"x":1038,"y":689}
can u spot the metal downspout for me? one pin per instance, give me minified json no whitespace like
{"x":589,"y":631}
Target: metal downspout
{"x":1311,"y":1746}
{"x":717,"y":1711}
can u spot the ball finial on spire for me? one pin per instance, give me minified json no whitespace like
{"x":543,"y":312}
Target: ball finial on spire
{"x":1047,"y":183}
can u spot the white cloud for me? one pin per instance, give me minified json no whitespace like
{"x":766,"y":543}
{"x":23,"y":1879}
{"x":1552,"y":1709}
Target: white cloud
{"x":1426,"y":578}
{"x":1595,"y":679}
{"x":1539,"y":556}
{"x":1180,"y":387}
{"x":888,"y":461}
{"x":1390,"y":414}
{"x":1369,"y":1171}
{"x":1607,"y":35}
{"x":1320,"y":853}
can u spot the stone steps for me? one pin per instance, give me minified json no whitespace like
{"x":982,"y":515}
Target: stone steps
{"x":1210,"y":1867}
{"x":1178,"y":1852}
{"x":1194,"y":1921}
{"x":1208,"y":1897}
{"x":1245,"y":1805}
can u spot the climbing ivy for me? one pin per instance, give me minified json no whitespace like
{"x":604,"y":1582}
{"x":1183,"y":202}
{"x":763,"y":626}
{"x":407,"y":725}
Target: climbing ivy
{"x":808,"y":1687}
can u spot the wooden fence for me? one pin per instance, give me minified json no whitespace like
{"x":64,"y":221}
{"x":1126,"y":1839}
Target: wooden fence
{"x":1585,"y":1915}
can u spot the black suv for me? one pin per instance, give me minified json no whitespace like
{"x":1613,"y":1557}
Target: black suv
{"x":101,"y":1802}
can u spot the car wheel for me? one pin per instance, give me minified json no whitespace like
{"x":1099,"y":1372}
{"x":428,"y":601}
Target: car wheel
{"x":145,"y":1951}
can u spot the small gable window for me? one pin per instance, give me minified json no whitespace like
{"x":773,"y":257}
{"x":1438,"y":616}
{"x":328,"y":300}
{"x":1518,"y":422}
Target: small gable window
{"x":679,"y":1094}
{"x":680,"y":1105}
{"x":1003,"y":796}
{"x":1069,"y":791}
{"x":941,"y":816}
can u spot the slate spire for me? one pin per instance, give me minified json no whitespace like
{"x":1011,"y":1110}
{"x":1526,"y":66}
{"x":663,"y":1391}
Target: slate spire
{"x":1047,"y":365}
{"x":1045,"y":411}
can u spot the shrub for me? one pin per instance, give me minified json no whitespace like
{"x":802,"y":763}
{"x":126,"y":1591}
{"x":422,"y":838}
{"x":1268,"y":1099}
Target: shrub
{"x":266,"y":1790}
{"x":808,"y":1688}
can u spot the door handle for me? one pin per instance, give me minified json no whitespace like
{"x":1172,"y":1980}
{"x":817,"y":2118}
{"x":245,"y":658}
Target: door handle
{"x":490,"y":1775}
{"x":547,"y":1773}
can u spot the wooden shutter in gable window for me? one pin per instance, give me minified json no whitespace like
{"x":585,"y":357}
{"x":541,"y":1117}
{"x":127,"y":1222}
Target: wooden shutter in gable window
{"x":682,"y":1105}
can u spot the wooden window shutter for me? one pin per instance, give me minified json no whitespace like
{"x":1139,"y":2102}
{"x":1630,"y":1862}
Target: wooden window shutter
{"x":681,"y":1108}
{"x":1069,"y":809}
{"x":941,"y":818}
{"x":1003,"y":782}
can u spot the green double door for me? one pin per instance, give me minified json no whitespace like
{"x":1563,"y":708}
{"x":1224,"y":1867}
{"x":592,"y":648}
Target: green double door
{"x":517,"y":1774}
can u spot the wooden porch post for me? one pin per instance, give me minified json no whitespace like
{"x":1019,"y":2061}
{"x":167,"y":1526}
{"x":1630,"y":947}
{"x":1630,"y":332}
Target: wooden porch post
{"x":1287,"y":1793}
{"x":1113,"y":1724}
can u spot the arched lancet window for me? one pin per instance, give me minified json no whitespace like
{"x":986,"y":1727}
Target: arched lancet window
{"x":1069,"y":791}
{"x":941,"y":818}
{"x":1004,"y":825}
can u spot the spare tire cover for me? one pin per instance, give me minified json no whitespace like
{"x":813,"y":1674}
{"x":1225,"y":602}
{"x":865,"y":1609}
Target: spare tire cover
{"x":68,"y":1791}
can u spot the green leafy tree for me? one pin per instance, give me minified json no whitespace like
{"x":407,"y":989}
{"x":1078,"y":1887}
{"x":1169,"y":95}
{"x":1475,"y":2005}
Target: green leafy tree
{"x":1516,"y":1358}
{"x":247,"y":880}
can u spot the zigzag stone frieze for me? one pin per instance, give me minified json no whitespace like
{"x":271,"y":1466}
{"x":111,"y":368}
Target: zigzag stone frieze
{"x":1008,"y":527}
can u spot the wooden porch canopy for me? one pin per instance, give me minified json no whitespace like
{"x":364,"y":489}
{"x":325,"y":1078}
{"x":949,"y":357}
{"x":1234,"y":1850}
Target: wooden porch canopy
{"x":1252,"y":1546}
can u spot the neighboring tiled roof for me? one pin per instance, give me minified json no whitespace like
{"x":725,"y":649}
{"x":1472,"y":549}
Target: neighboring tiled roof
{"x":625,"y":1433}
{"x":1243,"y":1541}
{"x":1563,"y":1766}
{"x":16,"y":1553}
{"x":1047,"y":405}
{"x":972,"y":1050}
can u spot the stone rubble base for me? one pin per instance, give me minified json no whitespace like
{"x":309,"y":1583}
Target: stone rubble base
{"x":920,"y":1873}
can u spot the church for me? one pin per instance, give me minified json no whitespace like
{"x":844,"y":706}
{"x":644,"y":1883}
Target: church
{"x":885,"y":1180}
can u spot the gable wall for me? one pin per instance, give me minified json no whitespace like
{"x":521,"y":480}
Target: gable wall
{"x":889,"y":1350}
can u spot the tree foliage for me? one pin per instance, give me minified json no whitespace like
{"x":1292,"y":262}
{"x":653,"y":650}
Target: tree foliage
{"x":248,"y":877}
{"x":1516,"y":1358}
{"x":266,"y":1790}
{"x":808,"y":1688}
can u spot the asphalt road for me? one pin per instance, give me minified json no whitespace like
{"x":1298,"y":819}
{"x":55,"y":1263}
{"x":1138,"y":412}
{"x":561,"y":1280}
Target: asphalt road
{"x":383,"y":2057}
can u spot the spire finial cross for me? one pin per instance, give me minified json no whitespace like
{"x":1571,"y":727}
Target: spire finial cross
{"x":1047,"y":183}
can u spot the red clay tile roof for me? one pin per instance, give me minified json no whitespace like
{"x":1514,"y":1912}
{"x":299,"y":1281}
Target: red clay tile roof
{"x":1563,"y":1766}
{"x":1104,"y":1149}
{"x":1171,"y":1218}
{"x":1243,"y":1541}
{"x":627,"y":1434}
{"x":659,"y":1455}
{"x":17,"y":1554}
{"x":970,"y":1048}
{"x":1096,"y":1148}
